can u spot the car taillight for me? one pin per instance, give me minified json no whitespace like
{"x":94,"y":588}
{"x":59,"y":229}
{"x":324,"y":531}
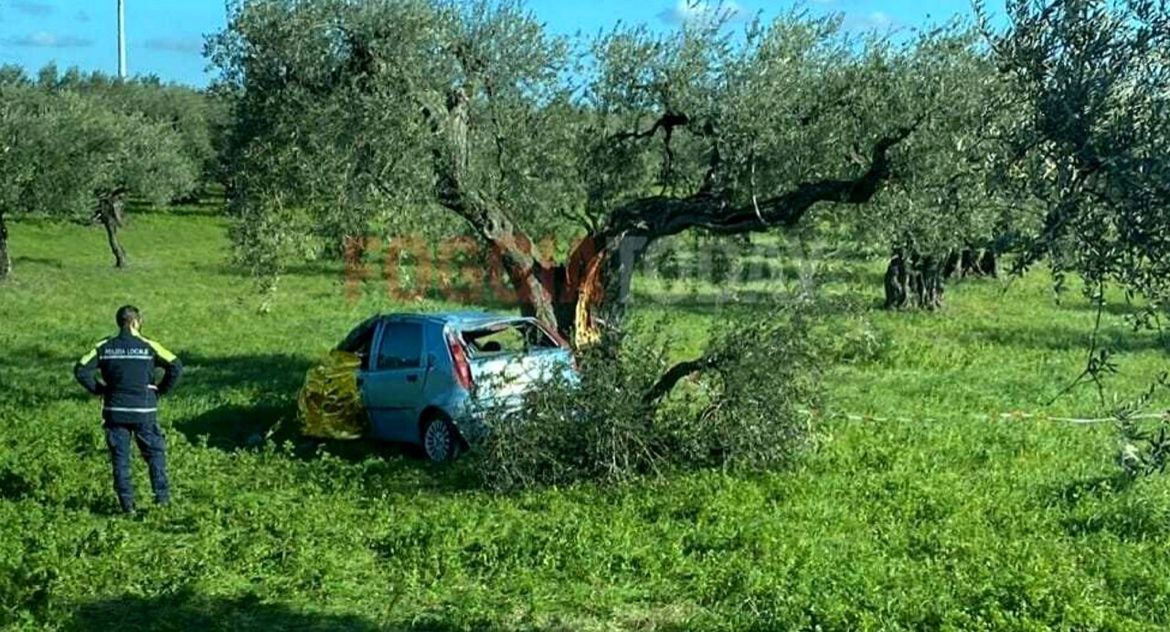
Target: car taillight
{"x":459,"y":361}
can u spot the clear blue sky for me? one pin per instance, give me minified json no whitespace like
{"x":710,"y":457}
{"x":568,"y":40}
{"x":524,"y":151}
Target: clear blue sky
{"x":165,"y":37}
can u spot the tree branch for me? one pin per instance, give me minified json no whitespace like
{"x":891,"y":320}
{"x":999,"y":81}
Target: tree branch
{"x":667,"y":121}
{"x":661,"y":216}
{"x":675,"y":374}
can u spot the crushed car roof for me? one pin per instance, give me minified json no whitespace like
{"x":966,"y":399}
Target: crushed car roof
{"x":462,"y":319}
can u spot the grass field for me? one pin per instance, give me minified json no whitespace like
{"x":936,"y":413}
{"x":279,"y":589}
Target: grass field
{"x":919,"y":509}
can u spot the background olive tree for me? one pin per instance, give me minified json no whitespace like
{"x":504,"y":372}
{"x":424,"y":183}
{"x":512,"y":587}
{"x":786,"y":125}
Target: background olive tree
{"x":79,"y":146}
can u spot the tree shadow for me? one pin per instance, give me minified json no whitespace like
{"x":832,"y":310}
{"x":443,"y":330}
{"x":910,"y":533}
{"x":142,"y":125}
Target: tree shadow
{"x":186,"y":610}
{"x":202,"y":204}
{"x":1132,"y":524}
{"x":323,"y":269}
{"x":270,"y":423}
{"x":1093,"y":506}
{"x":22,"y":260}
{"x":274,"y":427}
{"x":280,"y":374}
{"x":1092,"y":487}
{"x":36,"y":375}
{"x":750,"y":304}
{"x":1054,"y":337}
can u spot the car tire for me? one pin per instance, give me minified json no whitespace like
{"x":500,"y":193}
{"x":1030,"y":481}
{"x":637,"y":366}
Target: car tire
{"x":441,"y":441}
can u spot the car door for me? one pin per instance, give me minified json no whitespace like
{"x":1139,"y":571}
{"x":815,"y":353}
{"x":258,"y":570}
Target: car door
{"x":392,"y":388}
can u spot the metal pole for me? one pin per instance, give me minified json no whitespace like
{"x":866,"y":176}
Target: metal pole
{"x":121,"y":39}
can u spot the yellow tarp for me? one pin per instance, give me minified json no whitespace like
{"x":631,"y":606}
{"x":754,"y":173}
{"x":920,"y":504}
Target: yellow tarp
{"x":330,"y":402}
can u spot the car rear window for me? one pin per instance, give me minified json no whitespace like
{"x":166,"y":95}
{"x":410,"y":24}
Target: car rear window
{"x":509,"y":338}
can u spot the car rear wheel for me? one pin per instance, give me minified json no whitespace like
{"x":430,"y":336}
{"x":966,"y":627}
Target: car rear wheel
{"x":441,"y":441}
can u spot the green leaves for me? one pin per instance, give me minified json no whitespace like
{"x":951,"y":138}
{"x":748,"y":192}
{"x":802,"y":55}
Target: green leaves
{"x":70,"y":139}
{"x":1093,"y":148}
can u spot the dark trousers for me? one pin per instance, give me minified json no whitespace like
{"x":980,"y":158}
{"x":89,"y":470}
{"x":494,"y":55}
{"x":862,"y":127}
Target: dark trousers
{"x":152,"y":444}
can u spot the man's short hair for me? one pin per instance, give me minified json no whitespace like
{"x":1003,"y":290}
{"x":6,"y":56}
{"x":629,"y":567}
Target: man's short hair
{"x":128,"y":314}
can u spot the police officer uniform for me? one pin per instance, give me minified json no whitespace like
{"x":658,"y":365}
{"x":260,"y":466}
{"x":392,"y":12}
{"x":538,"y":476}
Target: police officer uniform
{"x":126,"y":364}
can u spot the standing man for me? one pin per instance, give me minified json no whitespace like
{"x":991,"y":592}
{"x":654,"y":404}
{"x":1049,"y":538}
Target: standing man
{"x":129,"y":394}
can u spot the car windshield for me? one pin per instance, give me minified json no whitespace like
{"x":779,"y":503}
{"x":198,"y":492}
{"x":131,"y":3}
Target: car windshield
{"x":508,"y":338}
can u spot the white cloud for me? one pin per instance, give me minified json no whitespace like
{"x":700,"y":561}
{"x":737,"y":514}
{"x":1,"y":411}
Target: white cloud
{"x":700,"y":11}
{"x":873,"y":21}
{"x":33,"y":8}
{"x":187,"y":45}
{"x":45,"y":39}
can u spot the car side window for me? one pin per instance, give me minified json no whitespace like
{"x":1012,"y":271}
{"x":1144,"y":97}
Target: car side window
{"x":360,"y":340}
{"x":401,"y":347}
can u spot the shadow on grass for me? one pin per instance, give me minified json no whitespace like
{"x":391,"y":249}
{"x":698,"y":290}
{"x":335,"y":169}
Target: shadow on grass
{"x":202,"y":204}
{"x":188,"y":611}
{"x":1094,"y":505}
{"x":381,"y":466}
{"x":277,"y":376}
{"x":21,"y":261}
{"x":1092,"y":487}
{"x":1055,"y":337}
{"x":1131,"y":524}
{"x":272,"y":421}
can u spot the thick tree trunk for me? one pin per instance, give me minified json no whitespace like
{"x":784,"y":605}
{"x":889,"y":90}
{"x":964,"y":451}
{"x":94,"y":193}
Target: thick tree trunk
{"x":989,"y":264}
{"x":897,"y":281}
{"x":587,"y":294}
{"x":110,"y":213}
{"x":932,"y":284}
{"x":970,"y":263}
{"x":952,"y":264}
{"x":5,"y":258}
{"x":914,"y":282}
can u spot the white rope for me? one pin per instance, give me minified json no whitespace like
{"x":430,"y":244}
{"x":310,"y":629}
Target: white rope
{"x":1013,"y":416}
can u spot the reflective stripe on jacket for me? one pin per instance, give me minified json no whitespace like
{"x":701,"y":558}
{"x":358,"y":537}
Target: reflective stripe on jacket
{"x":126,"y":364}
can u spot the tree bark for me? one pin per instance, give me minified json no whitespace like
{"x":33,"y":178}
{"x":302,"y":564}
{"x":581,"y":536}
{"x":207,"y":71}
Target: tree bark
{"x":970,"y":263}
{"x":914,"y":282}
{"x":989,"y":264}
{"x":932,"y":283}
{"x":952,"y":264}
{"x":5,"y":258}
{"x":110,"y":212}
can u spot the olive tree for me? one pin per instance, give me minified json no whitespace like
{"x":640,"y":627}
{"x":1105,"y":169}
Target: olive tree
{"x":33,"y":162}
{"x":133,"y":156}
{"x":1093,"y":151}
{"x":351,"y":114}
{"x":14,"y":166}
{"x":69,"y":154}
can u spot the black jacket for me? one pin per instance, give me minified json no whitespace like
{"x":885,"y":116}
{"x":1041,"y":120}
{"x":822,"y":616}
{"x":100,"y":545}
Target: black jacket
{"x":127,"y":386}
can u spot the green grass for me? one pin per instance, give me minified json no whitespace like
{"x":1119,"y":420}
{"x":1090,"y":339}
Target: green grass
{"x":920,"y":507}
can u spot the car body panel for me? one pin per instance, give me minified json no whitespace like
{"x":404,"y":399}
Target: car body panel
{"x":400,"y":398}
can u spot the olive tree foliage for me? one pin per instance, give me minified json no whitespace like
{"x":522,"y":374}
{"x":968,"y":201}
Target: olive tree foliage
{"x":68,"y":154}
{"x":1093,"y":150}
{"x":187,"y":111}
{"x":942,"y":214}
{"x":386,"y":115}
{"x":327,"y":142}
{"x":132,"y":156}
{"x":16,"y":169}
